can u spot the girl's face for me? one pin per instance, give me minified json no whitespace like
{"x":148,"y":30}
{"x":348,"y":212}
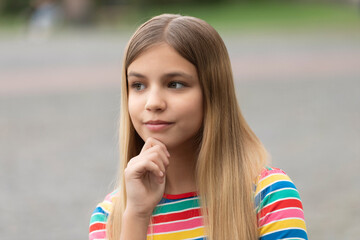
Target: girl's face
{"x":165,"y":97}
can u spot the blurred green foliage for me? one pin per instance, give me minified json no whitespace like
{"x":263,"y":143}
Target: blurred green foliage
{"x":259,"y":14}
{"x":222,"y":14}
{"x":269,"y":14}
{"x":14,"y":6}
{"x":19,"y":6}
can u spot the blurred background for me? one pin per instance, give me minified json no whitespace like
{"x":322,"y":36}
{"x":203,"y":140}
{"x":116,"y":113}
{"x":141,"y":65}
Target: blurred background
{"x":297,"y":74}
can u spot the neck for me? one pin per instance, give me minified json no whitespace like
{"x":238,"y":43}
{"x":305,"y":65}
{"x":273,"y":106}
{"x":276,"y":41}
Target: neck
{"x":180,"y":175}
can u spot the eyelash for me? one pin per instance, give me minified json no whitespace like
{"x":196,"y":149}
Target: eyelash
{"x":176,"y":82}
{"x":137,"y":85}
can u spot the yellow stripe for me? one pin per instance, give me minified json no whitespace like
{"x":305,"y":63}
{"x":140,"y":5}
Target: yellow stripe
{"x":287,"y":223}
{"x":107,"y":206}
{"x":269,"y":180}
{"x":198,"y":232}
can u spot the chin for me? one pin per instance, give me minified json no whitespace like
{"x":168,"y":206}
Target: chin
{"x":156,"y":136}
{"x":165,"y":140}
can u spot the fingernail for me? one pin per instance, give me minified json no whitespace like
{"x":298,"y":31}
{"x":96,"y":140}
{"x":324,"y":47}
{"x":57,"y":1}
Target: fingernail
{"x":161,"y":174}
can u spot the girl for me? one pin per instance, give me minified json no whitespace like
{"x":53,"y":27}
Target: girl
{"x":191,"y":166}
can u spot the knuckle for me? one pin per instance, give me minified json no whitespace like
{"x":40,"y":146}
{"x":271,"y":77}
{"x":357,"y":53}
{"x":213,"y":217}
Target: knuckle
{"x":157,"y":147}
{"x":153,"y":160}
{"x":153,"y":155}
{"x":152,"y":165}
{"x":156,"y":154}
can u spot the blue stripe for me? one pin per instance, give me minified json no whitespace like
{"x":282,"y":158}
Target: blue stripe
{"x":100,"y":210}
{"x":273,"y":187}
{"x":200,"y":238}
{"x":288,"y":233}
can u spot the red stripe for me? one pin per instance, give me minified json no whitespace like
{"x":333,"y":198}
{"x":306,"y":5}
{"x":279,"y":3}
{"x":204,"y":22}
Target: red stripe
{"x":279,"y":205}
{"x":97,"y":226}
{"x":176,"y":216}
{"x":180,"y":196}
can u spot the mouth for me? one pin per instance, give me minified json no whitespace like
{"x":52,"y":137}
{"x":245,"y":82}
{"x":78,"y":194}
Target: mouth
{"x":157,"y":125}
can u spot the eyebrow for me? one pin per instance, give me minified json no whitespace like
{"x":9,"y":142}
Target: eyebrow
{"x":135,"y":74}
{"x":167,"y":75}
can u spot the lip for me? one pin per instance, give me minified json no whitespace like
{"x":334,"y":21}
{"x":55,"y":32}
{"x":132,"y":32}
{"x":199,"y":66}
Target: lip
{"x":157,"y":125}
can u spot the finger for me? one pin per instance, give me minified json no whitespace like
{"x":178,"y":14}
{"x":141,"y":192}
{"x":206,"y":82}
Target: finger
{"x":161,"y":179}
{"x":157,"y":158}
{"x":154,"y":154}
{"x":151,"y":142}
{"x":139,"y":169}
{"x":158,"y":153}
{"x":155,"y":169}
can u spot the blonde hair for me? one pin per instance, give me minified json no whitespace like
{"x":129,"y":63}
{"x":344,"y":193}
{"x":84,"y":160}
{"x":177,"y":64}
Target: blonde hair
{"x":230,"y":155}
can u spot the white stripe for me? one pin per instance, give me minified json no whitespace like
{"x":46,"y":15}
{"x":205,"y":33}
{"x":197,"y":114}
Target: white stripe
{"x":283,"y":180}
{"x":195,"y":238}
{"x":184,"y":200}
{"x":98,"y":213}
{"x":282,"y":189}
{"x":184,"y":230}
{"x":280,"y":221}
{"x":282,"y":199}
{"x":279,"y":210}
{"x":97,"y":231}
{"x":270,"y":175}
{"x":256,"y":209}
{"x":102,"y":208}
{"x":178,"y":221}
{"x":292,"y":238}
{"x":96,"y":222}
{"x":290,"y":228}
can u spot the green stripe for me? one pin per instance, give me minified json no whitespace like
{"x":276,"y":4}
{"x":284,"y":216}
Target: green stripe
{"x":98,"y":218}
{"x":272,"y":197}
{"x":268,"y":168}
{"x":177,"y":206}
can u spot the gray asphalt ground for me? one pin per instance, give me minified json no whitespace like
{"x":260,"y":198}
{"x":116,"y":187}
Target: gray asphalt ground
{"x":59,"y":106}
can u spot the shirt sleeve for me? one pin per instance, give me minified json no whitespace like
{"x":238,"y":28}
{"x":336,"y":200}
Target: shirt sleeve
{"x":98,"y":220}
{"x":278,"y":206}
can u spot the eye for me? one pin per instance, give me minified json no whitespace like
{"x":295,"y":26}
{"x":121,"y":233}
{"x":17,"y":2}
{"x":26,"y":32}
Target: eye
{"x":176,"y":85}
{"x":138,"y":86}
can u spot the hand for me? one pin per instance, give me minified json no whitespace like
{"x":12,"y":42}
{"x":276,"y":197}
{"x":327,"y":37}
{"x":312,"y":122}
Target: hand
{"x":145,"y":177}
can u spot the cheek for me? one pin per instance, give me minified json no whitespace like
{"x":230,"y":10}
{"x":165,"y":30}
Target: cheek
{"x":191,"y":109}
{"x":198,"y":111}
{"x":134,"y":107}
{"x":196,"y":104}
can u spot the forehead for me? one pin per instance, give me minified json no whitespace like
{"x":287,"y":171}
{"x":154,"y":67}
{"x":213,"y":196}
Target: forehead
{"x":161,"y":59}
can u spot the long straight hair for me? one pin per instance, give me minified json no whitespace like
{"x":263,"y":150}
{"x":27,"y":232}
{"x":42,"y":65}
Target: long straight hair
{"x":230,"y":155}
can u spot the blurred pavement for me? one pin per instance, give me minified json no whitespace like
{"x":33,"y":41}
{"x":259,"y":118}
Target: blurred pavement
{"x":59,"y":106}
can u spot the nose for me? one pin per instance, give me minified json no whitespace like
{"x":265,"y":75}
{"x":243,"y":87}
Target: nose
{"x":155,"y":100}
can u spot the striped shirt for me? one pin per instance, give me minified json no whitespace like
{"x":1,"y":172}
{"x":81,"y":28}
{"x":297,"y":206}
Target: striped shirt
{"x":278,"y":206}
{"x":176,"y":217}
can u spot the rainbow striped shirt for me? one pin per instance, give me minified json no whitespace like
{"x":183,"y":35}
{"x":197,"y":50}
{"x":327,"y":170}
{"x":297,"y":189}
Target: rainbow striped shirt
{"x":278,"y":207}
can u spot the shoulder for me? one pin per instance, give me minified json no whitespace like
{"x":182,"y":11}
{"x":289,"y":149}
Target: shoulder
{"x":270,"y":178}
{"x":97,"y":228}
{"x":278,"y":206}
